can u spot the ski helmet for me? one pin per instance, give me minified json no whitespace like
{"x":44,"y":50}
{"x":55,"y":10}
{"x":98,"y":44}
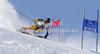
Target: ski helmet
{"x":48,"y":20}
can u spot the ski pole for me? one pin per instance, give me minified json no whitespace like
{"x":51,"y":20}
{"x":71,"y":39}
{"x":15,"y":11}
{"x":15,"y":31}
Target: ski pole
{"x":23,"y":14}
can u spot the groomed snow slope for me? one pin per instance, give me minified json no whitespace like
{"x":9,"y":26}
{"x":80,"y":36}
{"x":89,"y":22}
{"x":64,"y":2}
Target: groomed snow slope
{"x":12,"y":42}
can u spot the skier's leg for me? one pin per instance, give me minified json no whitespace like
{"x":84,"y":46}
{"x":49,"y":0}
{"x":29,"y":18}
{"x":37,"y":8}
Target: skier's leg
{"x":39,"y":30}
{"x":33,"y":27}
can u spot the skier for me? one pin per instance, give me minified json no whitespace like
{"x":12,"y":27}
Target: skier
{"x":40,"y":24}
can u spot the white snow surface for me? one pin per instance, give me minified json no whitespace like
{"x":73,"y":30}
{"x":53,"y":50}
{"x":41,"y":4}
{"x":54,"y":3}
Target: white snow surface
{"x":12,"y":42}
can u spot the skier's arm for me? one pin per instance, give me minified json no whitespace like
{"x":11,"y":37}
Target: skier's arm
{"x":36,"y":20}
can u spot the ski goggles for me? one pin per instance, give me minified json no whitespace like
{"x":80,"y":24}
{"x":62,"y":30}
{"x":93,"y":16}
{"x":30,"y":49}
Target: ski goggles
{"x":47,"y":21}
